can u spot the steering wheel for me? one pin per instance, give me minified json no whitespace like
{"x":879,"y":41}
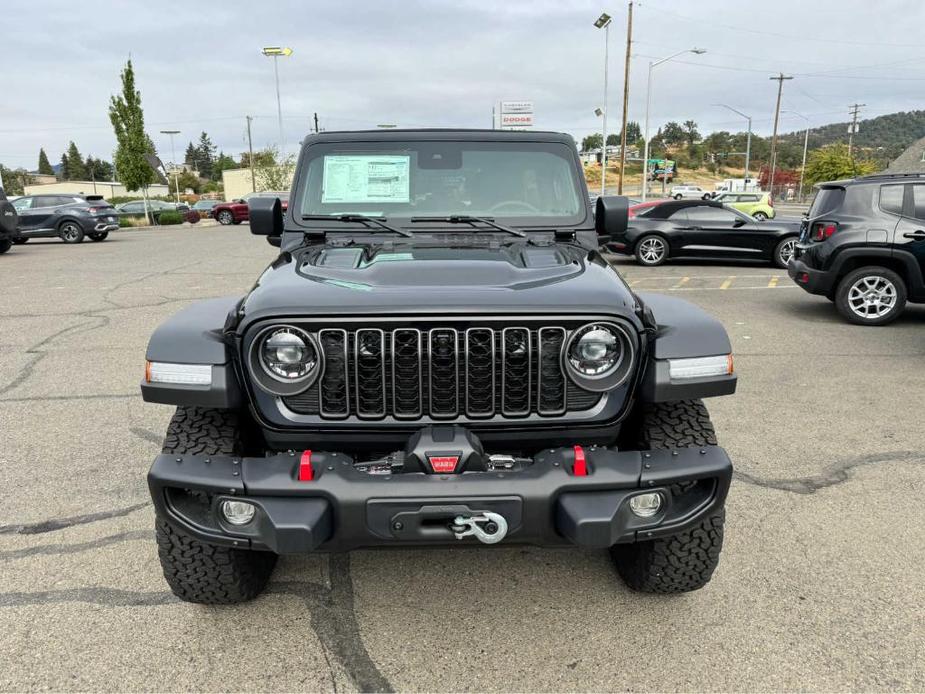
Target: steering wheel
{"x":513,"y":203}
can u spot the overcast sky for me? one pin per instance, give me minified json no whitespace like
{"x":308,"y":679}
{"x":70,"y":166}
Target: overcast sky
{"x":439,"y":63}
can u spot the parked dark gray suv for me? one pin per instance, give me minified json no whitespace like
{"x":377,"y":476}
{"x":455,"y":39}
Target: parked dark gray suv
{"x":862,"y":246}
{"x":68,"y":217}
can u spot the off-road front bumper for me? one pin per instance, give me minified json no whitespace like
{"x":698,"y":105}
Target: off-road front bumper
{"x":341,"y":507}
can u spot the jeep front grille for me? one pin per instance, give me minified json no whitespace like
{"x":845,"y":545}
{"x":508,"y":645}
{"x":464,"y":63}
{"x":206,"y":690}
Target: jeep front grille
{"x":442,"y":373}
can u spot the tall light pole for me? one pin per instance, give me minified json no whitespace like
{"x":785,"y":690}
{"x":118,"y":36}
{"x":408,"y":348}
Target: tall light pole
{"x":748,"y":141}
{"x":645,"y":156}
{"x":173,"y":157}
{"x":275,"y":52}
{"x":603,"y":22}
{"x":805,"y":147}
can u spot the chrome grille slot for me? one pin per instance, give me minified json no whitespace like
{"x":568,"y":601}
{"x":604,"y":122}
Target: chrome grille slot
{"x":443,"y":353}
{"x":369,"y":363}
{"x":334,"y":396}
{"x":516,"y":357}
{"x":550,"y":387}
{"x":480,"y":372}
{"x":407,"y":373}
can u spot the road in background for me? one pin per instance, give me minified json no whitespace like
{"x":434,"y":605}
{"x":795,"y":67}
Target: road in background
{"x":819,"y":586}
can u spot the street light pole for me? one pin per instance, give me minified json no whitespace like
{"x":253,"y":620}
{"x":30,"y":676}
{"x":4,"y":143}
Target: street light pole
{"x":173,"y":157}
{"x":805,"y":147}
{"x":748,"y":141}
{"x":645,"y":156}
{"x":603,"y":22}
{"x":275,"y":52}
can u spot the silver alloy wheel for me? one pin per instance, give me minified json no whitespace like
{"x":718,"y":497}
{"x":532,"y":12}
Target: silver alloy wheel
{"x":225,"y":217}
{"x":786,"y":251}
{"x":872,"y":296}
{"x":652,"y":250}
{"x":760,"y":216}
{"x":70,"y":232}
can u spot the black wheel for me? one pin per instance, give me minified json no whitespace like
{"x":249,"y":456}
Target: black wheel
{"x":5,"y":245}
{"x":651,"y":250}
{"x":686,"y":561}
{"x":871,"y":296}
{"x":678,"y":196}
{"x":225,"y":217}
{"x":98,"y":235}
{"x":237,"y":221}
{"x":707,"y":196}
{"x":70,"y":232}
{"x":198,"y":571}
{"x":19,"y":240}
{"x":759,"y":216}
{"x":783,"y":252}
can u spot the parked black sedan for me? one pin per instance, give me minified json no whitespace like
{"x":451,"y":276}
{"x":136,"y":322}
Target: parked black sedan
{"x":704,"y":229}
{"x":68,"y":217}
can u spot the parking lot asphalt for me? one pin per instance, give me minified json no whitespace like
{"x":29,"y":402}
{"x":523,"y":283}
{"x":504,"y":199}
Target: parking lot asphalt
{"x":819,"y":586}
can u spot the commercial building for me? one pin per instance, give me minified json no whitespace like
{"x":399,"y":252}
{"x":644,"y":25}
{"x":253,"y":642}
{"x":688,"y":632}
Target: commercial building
{"x":108,"y":189}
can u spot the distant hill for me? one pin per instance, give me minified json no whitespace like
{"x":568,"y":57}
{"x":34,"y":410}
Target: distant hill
{"x":893,"y":132}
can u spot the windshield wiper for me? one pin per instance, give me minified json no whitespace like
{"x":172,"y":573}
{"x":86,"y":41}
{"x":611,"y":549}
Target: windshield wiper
{"x":467,"y":219}
{"x":358,"y":218}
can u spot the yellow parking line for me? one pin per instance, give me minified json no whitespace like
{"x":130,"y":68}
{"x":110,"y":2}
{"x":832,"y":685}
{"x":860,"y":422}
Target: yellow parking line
{"x":727,"y":282}
{"x":682,"y":282}
{"x":773,"y":282}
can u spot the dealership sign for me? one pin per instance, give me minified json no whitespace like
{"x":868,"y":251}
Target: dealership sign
{"x":515,"y":115}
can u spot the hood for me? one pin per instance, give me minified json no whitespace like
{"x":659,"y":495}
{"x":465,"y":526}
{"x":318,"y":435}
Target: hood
{"x":411,"y":278}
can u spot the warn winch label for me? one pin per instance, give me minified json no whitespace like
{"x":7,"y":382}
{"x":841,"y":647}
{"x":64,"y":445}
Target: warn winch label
{"x":443,"y":463}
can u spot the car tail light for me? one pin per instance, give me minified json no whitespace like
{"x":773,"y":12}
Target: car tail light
{"x":823,"y":230}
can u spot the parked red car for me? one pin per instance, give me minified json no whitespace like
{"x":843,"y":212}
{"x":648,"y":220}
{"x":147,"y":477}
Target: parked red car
{"x":237,"y":211}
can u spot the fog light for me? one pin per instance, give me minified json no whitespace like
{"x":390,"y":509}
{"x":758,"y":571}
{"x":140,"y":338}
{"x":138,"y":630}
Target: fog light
{"x":238,"y":512}
{"x":645,"y":505}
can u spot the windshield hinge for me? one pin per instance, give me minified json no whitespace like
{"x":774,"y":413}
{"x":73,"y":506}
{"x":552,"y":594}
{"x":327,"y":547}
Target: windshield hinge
{"x":565,"y":234}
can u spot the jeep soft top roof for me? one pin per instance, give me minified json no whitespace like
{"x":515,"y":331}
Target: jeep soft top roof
{"x":446,"y":134}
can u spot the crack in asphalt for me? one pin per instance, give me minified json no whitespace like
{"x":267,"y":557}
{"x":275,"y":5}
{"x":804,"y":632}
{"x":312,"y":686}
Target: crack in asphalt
{"x":55,"y":524}
{"x":58,"y":549}
{"x":837,"y":474}
{"x":96,"y":595}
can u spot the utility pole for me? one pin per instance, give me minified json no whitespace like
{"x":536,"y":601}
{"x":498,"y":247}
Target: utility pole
{"x":626,"y":98}
{"x":855,"y":108}
{"x":780,"y":88}
{"x":316,"y":121}
{"x":250,"y":149}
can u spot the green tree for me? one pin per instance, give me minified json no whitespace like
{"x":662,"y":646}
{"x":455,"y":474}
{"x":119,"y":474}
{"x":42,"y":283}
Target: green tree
{"x":62,"y":170}
{"x":278,"y":175}
{"x":205,"y":151}
{"x":14,"y":180}
{"x":595,"y":141}
{"x":76,"y":169}
{"x":673,"y":133}
{"x":613,"y":140}
{"x":633,"y":132}
{"x":44,"y":164}
{"x":222,"y":163}
{"x":262,"y":157}
{"x":832,"y":163}
{"x":690,"y":132}
{"x":98,"y":170}
{"x":191,"y":156}
{"x":187,"y":180}
{"x":128,"y":121}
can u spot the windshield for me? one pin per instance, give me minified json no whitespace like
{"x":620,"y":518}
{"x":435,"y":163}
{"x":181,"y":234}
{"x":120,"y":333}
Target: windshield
{"x":528,"y":182}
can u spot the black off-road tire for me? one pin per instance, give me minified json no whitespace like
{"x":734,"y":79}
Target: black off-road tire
{"x":198,"y":571}
{"x":686,"y":561}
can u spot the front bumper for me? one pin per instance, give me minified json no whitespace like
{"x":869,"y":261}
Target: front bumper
{"x":342,"y":508}
{"x":810,"y":279}
{"x":105,"y":226}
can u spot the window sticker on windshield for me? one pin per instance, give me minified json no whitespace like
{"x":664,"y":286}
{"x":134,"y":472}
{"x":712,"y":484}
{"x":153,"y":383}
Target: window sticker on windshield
{"x":374,"y":178}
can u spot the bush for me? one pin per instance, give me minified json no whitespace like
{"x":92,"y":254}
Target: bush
{"x":192,"y":216}
{"x":170,"y":217}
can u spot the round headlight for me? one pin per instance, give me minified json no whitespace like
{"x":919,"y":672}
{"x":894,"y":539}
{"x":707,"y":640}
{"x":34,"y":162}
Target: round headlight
{"x":599,"y":356}
{"x":288,"y":354}
{"x":595,"y":352}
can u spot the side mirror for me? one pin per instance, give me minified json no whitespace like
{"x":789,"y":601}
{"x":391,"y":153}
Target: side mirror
{"x":611,"y":217}
{"x":739,"y":222}
{"x":266,"y":217}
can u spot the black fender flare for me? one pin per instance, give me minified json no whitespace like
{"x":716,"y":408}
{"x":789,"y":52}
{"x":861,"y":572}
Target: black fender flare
{"x":682,"y":331}
{"x":195,"y":335}
{"x":870,"y":255}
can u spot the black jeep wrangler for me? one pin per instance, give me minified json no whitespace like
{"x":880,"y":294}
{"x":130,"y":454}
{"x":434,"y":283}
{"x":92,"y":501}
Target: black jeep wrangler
{"x":8,"y":221}
{"x":862,"y":245}
{"x":438,"y":356}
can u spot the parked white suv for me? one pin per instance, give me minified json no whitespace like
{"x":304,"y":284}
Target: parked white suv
{"x":690,"y":192}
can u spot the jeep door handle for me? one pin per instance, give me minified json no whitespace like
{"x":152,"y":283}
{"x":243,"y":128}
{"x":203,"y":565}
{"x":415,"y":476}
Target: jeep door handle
{"x":918,"y":234}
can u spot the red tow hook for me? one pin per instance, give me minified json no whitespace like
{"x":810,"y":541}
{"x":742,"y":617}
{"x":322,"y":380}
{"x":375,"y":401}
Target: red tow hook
{"x":580,"y":468}
{"x":306,"y":473}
